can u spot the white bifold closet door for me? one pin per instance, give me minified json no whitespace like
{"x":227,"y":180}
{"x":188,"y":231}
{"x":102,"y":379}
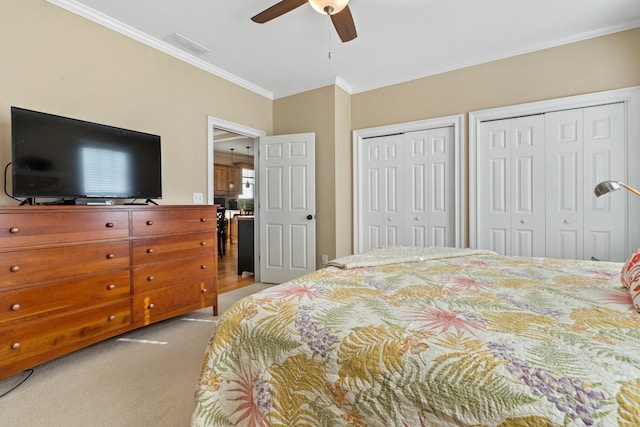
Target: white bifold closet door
{"x":584,"y":147}
{"x":408,"y":194}
{"x":536,"y":176}
{"x":511,"y":200}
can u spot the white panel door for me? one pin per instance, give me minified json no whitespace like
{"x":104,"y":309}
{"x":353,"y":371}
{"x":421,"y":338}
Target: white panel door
{"x":527,"y":186}
{"x":408,"y":189}
{"x":565,"y":188}
{"x":584,"y":147}
{"x":287,"y":207}
{"x":494,"y":197}
{"x":511,"y":205}
{"x":604,"y":153}
{"x":430,"y":157}
{"x":383,"y":172}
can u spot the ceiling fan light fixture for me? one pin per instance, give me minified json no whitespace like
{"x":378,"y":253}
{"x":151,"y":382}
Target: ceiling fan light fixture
{"x":329,"y":7}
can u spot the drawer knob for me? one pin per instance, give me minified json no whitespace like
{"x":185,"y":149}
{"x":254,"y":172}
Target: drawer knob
{"x":110,"y":256}
{"x":15,"y":268}
{"x":14,"y":230}
{"x":149,"y":222}
{"x":15,"y":307}
{"x":203,"y":267}
{"x":203,"y":290}
{"x":150,"y":251}
{"x":112,"y":318}
{"x":151,"y":278}
{"x":109,"y":225}
{"x":203,"y":243}
{"x":203,"y":219}
{"x":150,"y":306}
{"x":15,"y":345}
{"x":111,"y":287}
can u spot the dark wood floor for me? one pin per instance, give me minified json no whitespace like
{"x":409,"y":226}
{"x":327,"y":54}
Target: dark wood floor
{"x":228,"y":278}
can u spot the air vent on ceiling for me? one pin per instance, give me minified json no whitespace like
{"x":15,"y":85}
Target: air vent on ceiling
{"x":184,"y":43}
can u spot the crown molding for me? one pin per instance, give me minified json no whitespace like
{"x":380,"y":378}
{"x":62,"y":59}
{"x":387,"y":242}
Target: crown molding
{"x":470,"y":62}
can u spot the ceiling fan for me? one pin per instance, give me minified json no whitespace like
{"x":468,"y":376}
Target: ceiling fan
{"x":338,"y":10}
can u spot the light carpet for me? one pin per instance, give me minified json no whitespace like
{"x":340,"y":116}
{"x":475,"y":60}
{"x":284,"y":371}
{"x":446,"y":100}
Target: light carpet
{"x":120,"y":382}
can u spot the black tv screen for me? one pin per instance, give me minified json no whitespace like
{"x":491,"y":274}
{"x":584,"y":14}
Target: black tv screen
{"x":54,"y":156}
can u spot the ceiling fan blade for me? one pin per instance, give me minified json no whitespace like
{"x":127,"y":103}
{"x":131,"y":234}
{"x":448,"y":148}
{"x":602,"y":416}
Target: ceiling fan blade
{"x":276,"y":10}
{"x":343,"y":21}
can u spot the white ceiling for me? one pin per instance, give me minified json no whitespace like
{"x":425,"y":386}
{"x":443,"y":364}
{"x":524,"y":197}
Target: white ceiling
{"x":398,"y":40}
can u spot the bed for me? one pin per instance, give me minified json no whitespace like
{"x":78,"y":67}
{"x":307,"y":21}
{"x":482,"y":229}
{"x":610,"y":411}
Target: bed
{"x":429,"y":336}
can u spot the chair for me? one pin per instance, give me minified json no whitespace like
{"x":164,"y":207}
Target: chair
{"x":222,"y":232}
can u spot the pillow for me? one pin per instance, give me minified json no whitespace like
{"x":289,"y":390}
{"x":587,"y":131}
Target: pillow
{"x":630,"y":277}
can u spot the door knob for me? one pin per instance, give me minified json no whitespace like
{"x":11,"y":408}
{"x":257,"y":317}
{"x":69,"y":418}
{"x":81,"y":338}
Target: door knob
{"x":309,"y":217}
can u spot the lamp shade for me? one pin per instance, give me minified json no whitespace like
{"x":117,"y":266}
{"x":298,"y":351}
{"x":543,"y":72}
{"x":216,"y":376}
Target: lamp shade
{"x":329,"y":7}
{"x":607,"y":186}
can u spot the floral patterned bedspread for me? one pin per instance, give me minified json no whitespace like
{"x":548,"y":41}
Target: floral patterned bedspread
{"x":471,"y":340}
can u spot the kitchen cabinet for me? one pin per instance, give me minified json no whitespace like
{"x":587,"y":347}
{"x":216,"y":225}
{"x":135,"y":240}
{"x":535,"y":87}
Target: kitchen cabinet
{"x":227,"y":179}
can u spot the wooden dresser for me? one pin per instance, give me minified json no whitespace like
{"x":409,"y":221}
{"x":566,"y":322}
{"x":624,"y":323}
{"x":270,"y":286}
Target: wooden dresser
{"x":71,"y":276}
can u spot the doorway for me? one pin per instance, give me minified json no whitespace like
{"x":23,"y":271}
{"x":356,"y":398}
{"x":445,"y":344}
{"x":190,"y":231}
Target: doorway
{"x":232,"y":148}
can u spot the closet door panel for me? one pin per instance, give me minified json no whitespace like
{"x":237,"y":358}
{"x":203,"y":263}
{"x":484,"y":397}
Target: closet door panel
{"x":417,"y":216}
{"x":527,"y":186}
{"x":494,"y":175}
{"x":430,"y":214}
{"x":441,"y":191}
{"x":382,"y":191}
{"x":394,"y":194}
{"x":372,"y":192}
{"x":604,"y":152}
{"x":565,"y":182}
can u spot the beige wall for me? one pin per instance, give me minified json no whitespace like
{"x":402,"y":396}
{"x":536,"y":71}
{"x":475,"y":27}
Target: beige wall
{"x":54,"y":61}
{"x":343,"y":175}
{"x":594,"y":65}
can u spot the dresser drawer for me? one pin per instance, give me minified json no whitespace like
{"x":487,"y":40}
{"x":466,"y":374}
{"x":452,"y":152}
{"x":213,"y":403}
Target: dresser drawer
{"x":33,"y":266}
{"x":38,"y":301}
{"x":30,"y":228}
{"x":171,"y":273}
{"x":176,"y":221}
{"x":60,"y":334}
{"x":169,"y":302}
{"x":160,"y":249}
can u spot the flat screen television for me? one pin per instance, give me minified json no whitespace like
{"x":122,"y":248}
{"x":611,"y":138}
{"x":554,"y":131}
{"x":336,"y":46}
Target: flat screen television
{"x":61,"y":157}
